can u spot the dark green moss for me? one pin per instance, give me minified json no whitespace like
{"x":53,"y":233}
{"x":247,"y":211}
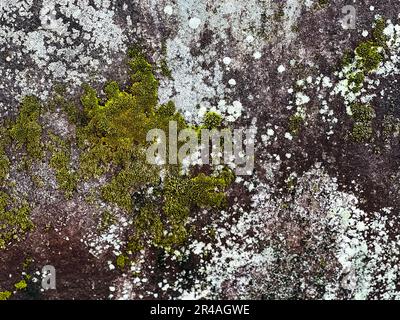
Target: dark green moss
{"x":165,"y":70}
{"x":122,"y":261}
{"x":347,"y":58}
{"x":4,"y":161}
{"x":377,"y":33}
{"x":361,"y":132}
{"x":362,"y":112}
{"x":369,"y":55}
{"x":357,"y":81}
{"x":107,"y":219}
{"x":295,"y":124}
{"x":362,"y":128}
{"x":212,"y":120}
{"x":323,"y":3}
{"x":60,"y":161}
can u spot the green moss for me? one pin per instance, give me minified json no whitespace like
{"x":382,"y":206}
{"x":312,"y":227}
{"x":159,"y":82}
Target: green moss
{"x":377,"y":33}
{"x":362,"y":112}
{"x":111,"y":90}
{"x":4,"y":161}
{"x":361,"y":132}
{"x":166,"y":226}
{"x":369,"y":56}
{"x":111,"y":142}
{"x":107,"y":219}
{"x":212,"y":120}
{"x":323,"y":3}
{"x":122,"y":261}
{"x":21,"y":285}
{"x":5,"y":295}
{"x":14,"y":220}
{"x":362,"y":116}
{"x":390,"y":126}
{"x":165,"y":70}
{"x":27,"y":130}
{"x":347,"y":58}
{"x":60,"y":161}
{"x":144,"y":84}
{"x":356,"y":80}
{"x":295,"y":124}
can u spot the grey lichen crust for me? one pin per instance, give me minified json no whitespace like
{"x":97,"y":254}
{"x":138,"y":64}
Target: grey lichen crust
{"x":82,"y":81}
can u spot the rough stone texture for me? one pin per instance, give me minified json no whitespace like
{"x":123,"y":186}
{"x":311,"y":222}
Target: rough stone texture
{"x":318,"y":218}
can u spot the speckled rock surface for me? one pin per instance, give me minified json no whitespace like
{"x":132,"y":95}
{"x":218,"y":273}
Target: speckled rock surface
{"x":318,"y":218}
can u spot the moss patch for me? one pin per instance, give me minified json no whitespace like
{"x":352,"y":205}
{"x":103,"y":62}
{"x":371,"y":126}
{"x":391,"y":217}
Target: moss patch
{"x":295,"y":124}
{"x":27,"y":130}
{"x":14,"y":220}
{"x":60,"y":161}
{"x":369,"y":56}
{"x":362,"y":128}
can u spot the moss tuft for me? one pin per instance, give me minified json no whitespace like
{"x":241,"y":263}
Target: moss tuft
{"x":5,"y":295}
{"x":369,"y":56}
{"x":295,"y":123}
{"x":14,"y":220}
{"x":27,"y":130}
{"x":362,"y":128}
{"x":212,"y":120}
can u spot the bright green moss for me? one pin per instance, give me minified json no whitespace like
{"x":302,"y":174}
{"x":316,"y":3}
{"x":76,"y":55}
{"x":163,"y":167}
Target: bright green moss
{"x":111,"y":89}
{"x":369,"y":56}
{"x":5,"y":295}
{"x":21,"y":285}
{"x":27,"y":130}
